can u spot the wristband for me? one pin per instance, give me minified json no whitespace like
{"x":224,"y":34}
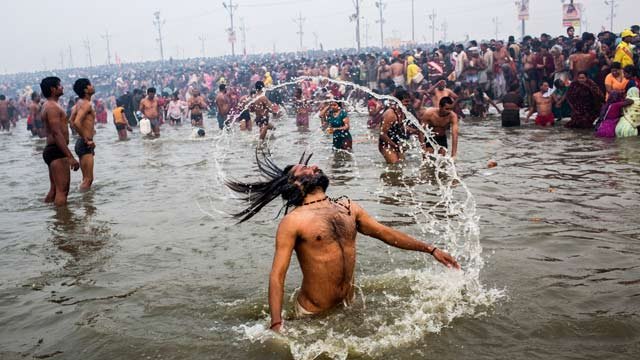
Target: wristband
{"x":433,"y":251}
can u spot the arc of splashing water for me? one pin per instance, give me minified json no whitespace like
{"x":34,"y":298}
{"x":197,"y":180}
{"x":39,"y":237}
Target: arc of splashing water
{"x":438,"y":161}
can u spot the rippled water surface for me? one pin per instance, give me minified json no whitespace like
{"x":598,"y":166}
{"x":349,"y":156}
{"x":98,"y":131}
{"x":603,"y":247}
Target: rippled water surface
{"x":146,"y":265}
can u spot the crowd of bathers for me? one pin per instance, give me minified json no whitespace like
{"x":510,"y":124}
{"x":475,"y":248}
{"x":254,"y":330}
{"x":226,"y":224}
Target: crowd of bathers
{"x":590,"y":79}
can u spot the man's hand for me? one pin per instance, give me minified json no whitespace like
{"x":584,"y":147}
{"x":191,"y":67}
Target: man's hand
{"x":445,"y":259}
{"x":74,"y":164}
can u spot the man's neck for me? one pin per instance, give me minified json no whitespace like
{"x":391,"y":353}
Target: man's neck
{"x":315,"y":196}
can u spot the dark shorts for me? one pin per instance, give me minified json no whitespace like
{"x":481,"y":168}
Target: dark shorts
{"x":82,"y":148}
{"x":440,"y":140}
{"x":196,"y":117}
{"x":120,"y":127}
{"x":154,"y":123}
{"x":510,"y":117}
{"x":38,"y":124}
{"x":245,"y":116}
{"x":264,"y":121}
{"x":52,"y":152}
{"x":175,"y":119}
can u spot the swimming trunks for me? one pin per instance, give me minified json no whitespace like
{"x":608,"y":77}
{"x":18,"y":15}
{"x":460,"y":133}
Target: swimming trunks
{"x":38,"y":124}
{"x":545,"y":120}
{"x":262,"y":121}
{"x":510,"y":117}
{"x":440,"y":140}
{"x":154,"y":123}
{"x":222,"y":119}
{"x":196,"y":117}
{"x":120,"y":127}
{"x":51,"y":153}
{"x":83,"y":149}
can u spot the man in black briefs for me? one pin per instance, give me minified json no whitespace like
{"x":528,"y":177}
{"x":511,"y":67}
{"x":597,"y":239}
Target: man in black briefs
{"x":439,"y":120}
{"x":56,"y":154}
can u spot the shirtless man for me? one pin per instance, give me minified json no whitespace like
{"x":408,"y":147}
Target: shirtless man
{"x":197,"y":104}
{"x":35,"y":111}
{"x":56,"y":154}
{"x":439,"y":120}
{"x":150,"y":110}
{"x":582,"y":60}
{"x":384,"y":71}
{"x":83,"y":117}
{"x":5,"y":122}
{"x":544,"y":105}
{"x":438,"y":91}
{"x":323,"y":233}
{"x":397,"y":72}
{"x":223,"y":105}
{"x":262,"y":107}
{"x":393,"y":131}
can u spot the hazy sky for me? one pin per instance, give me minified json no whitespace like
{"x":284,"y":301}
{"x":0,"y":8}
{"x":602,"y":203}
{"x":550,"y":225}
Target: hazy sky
{"x":39,"y":34}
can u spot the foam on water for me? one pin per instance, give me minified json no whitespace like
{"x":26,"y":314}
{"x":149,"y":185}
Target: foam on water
{"x":400,"y":306}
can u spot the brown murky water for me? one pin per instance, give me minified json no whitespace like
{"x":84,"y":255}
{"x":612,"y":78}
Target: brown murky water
{"x":145,"y":266}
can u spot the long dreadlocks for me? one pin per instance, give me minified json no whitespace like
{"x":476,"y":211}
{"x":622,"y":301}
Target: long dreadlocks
{"x":279,"y":182}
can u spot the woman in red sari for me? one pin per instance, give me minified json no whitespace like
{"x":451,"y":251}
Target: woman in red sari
{"x":585,"y":98}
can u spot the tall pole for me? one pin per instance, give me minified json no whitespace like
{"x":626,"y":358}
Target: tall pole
{"x":315,"y":36}
{"x":523,"y":31}
{"x":159,"y":23}
{"x":300,"y":21}
{"x":61,"y":59}
{"x":496,"y":22}
{"x":232,"y":31}
{"x":413,"y":23}
{"x":380,"y":5}
{"x":70,"y":57}
{"x":366,"y":34}
{"x":243,"y":29}
{"x":107,"y":38}
{"x":356,"y":17}
{"x":444,"y":30}
{"x":202,"y":39}
{"x":87,"y":47}
{"x":433,"y":17}
{"x":612,"y":14}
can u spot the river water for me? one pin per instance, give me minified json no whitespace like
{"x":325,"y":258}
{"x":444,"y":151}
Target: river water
{"x":147,"y":265}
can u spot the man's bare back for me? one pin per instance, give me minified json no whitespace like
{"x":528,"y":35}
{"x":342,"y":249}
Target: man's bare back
{"x":325,"y":248}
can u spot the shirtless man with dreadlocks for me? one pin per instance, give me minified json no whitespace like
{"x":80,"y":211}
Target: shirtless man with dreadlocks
{"x":322,"y":232}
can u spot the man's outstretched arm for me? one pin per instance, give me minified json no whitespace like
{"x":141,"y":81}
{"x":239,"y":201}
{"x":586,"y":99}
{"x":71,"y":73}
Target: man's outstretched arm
{"x":285,"y":241}
{"x":370,"y":227}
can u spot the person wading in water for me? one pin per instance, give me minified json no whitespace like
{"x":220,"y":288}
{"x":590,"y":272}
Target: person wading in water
{"x":322,"y":231}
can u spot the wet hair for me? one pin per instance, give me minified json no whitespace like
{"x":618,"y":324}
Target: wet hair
{"x":47,"y":83}
{"x":445,"y":101}
{"x":222,"y":87}
{"x":558,"y":83}
{"x":2,"y":97}
{"x":580,"y":45}
{"x":259,"y":85}
{"x":119,"y":103}
{"x":583,"y":73}
{"x":34,"y":95}
{"x":151,"y":90}
{"x":279,"y":183}
{"x":80,"y":86}
{"x":571,"y":28}
{"x":616,"y":65}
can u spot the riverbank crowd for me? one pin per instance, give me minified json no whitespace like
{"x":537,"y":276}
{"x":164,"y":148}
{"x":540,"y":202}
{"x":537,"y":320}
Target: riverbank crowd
{"x":586,"y":82}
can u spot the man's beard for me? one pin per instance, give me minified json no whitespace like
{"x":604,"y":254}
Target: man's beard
{"x":311,"y":182}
